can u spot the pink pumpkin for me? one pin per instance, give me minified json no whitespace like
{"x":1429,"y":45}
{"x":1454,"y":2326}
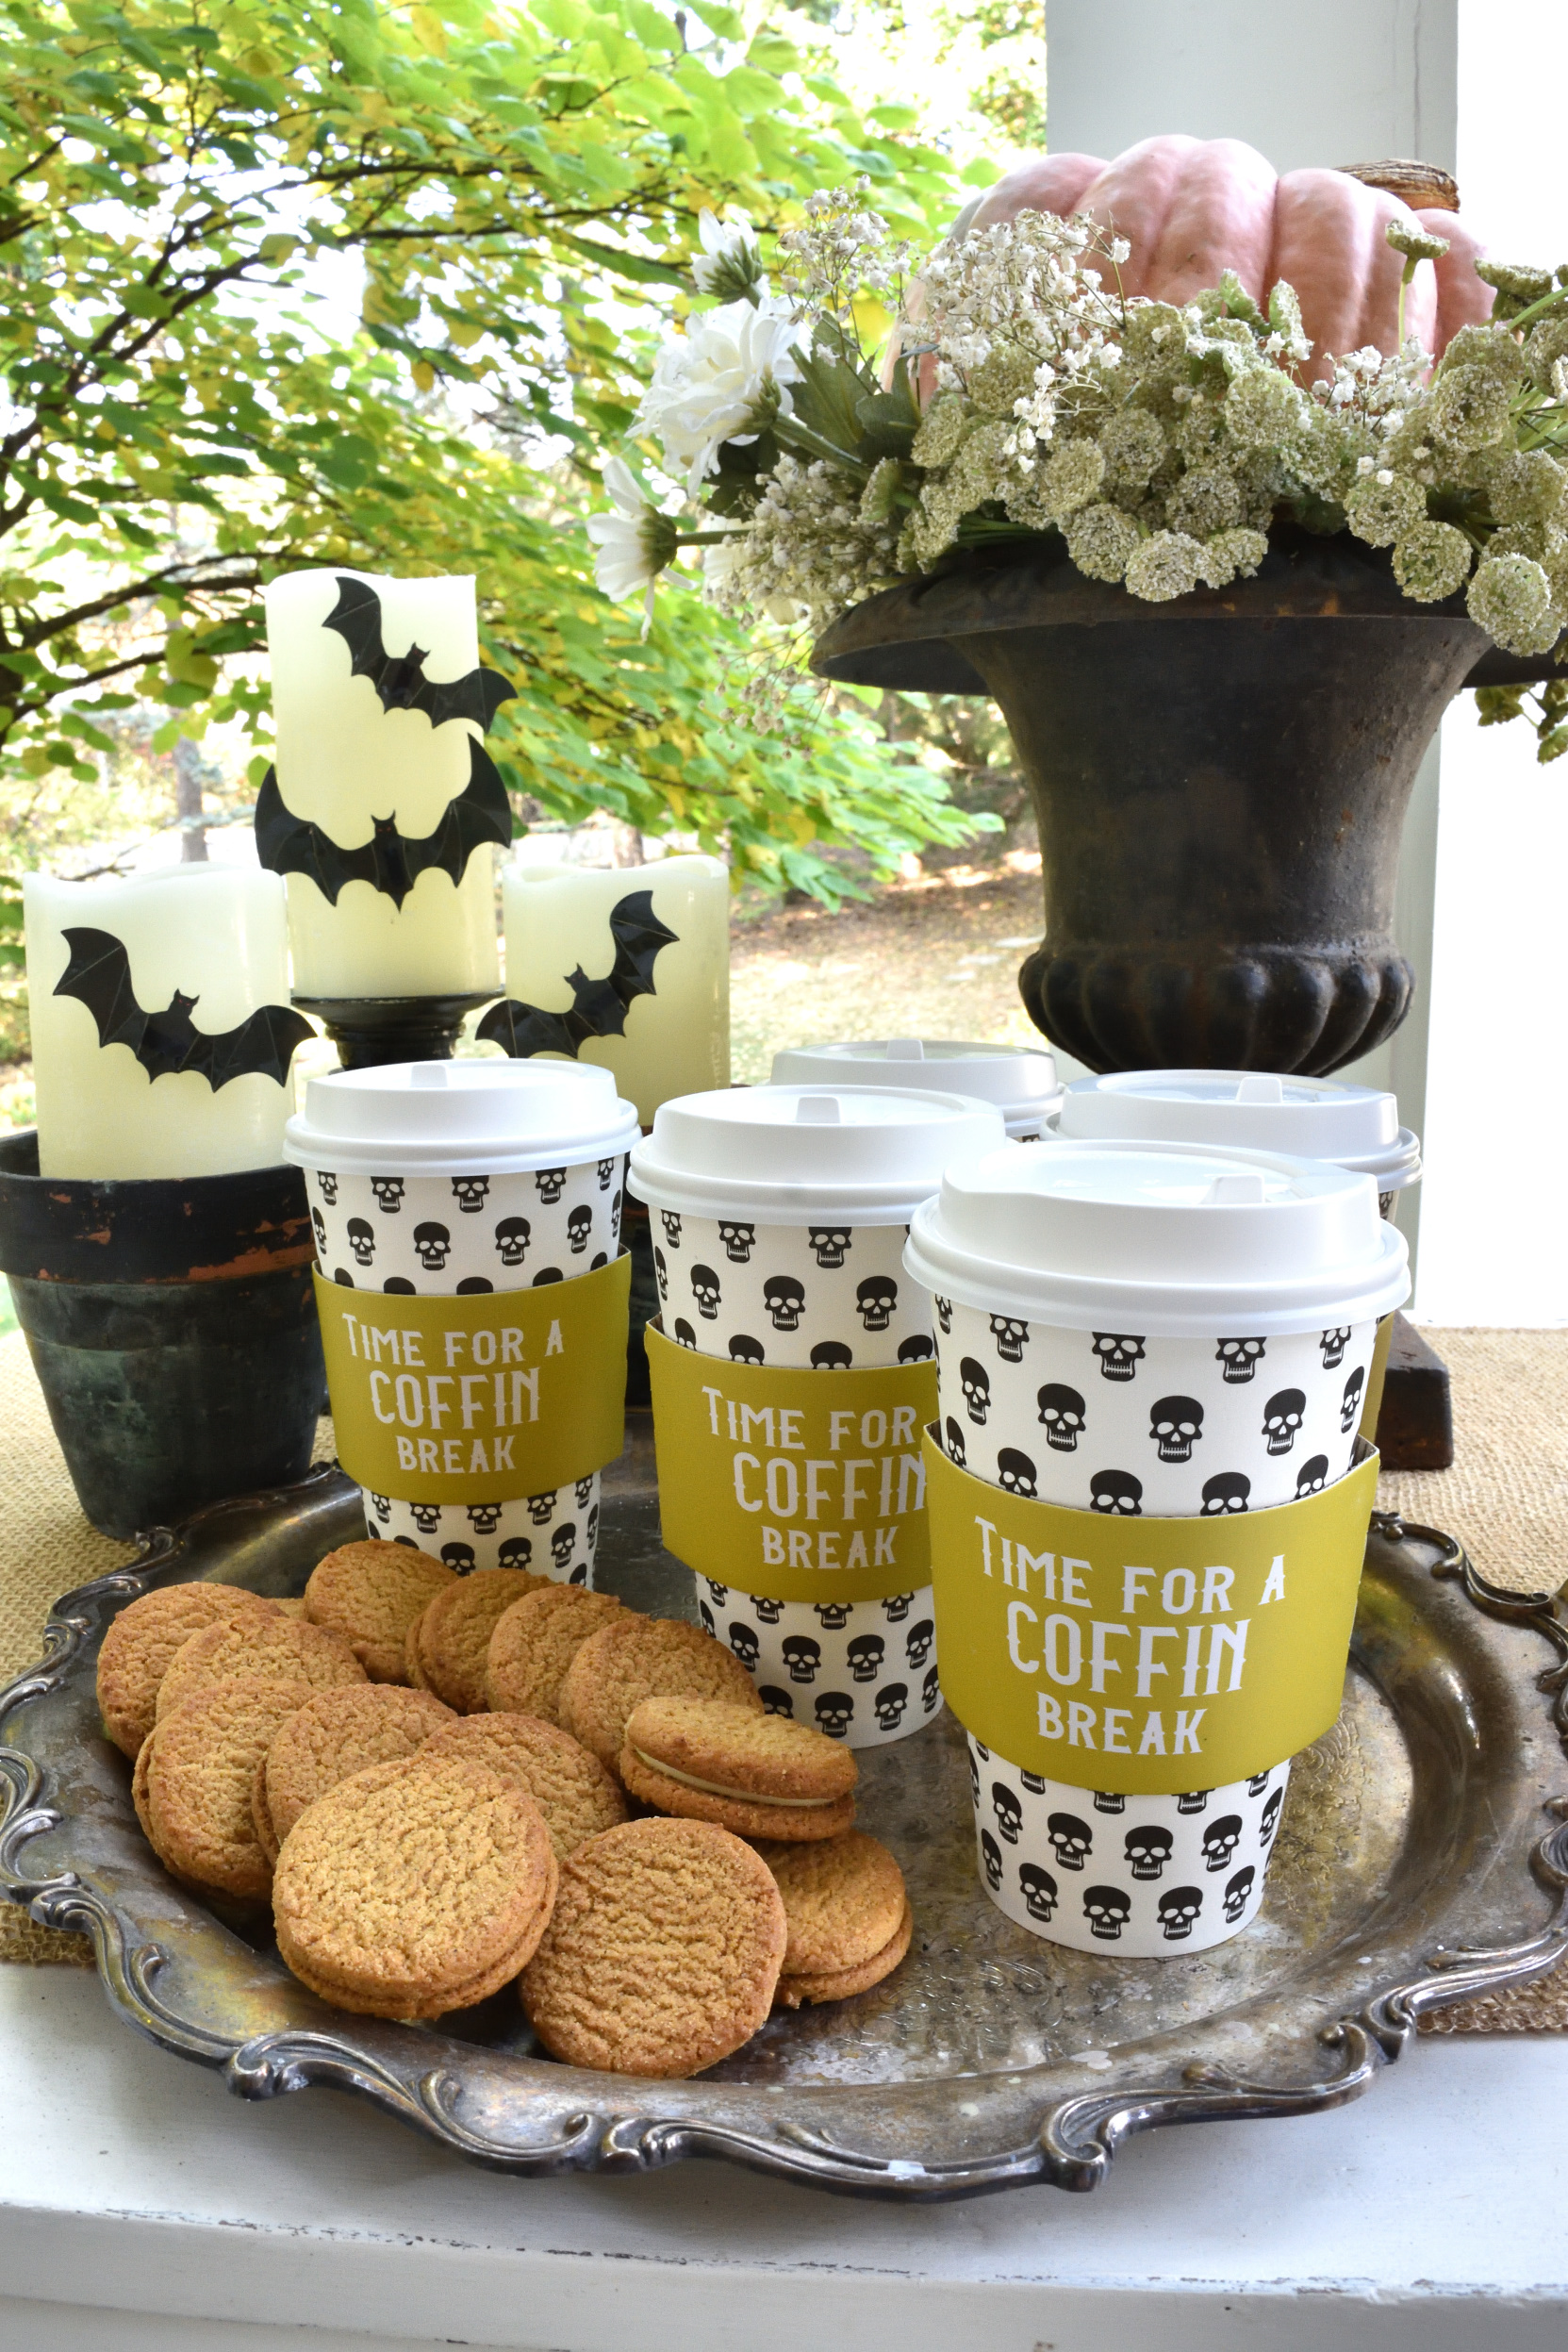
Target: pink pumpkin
{"x":1191,"y":208}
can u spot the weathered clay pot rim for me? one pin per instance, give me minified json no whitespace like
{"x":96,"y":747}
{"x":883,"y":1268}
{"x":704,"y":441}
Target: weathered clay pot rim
{"x":138,"y":1230}
{"x":1034,"y":585}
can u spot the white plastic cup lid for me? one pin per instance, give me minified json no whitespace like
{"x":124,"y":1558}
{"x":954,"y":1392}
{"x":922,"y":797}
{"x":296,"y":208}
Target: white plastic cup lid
{"x":453,"y":1118}
{"x":1313,"y":1118}
{"x":785,"y":1155}
{"x":1174,"y":1239}
{"x":1020,"y":1080}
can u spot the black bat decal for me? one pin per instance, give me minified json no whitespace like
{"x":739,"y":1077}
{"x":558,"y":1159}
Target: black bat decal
{"x":99,"y":973}
{"x":389,"y":860}
{"x":398,"y":678}
{"x":598,"y":1007}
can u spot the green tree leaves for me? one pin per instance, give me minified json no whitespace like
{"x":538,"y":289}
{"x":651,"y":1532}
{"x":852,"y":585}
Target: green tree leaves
{"x":193,"y":400}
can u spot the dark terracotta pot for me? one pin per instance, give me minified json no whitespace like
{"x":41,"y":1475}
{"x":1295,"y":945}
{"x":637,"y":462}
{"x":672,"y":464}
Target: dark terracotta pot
{"x":1220,"y":784}
{"x":172,"y":1327}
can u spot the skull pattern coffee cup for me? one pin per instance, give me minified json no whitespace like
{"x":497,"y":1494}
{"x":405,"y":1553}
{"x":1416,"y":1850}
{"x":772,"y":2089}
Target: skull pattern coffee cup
{"x":1167,"y":1346}
{"x":1312,"y":1119}
{"x":475,"y":1183}
{"x":779,"y":1216}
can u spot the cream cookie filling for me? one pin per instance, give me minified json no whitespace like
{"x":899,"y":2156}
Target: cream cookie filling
{"x":712,"y":1788}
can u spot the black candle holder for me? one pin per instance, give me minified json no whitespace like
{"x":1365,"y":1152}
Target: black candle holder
{"x":369,"y":1031}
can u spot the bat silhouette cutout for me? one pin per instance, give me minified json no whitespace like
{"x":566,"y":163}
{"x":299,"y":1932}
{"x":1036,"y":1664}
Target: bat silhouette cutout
{"x":390,"y":861}
{"x":99,"y":972}
{"x":598,"y":1007}
{"x":398,"y":678}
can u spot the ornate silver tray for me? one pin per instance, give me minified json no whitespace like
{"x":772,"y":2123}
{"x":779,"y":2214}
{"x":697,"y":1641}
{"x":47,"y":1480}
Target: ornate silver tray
{"x":1415,"y":1866}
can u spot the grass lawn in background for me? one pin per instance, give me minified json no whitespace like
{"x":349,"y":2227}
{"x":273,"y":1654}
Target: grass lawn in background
{"x":936,"y":957}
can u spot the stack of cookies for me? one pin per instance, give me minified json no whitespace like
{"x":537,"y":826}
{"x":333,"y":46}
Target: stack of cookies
{"x":434,"y":1779}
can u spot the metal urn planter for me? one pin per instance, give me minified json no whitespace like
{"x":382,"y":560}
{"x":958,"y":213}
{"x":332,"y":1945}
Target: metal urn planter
{"x":1220,"y":784}
{"x":172,"y":1327}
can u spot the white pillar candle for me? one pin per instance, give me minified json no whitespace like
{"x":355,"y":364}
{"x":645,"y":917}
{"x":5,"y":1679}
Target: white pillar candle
{"x":343,"y":761}
{"x":214,"y":932}
{"x":676,"y":1039}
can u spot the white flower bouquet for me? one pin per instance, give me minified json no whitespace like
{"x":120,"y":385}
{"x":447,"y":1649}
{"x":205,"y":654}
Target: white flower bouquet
{"x":1022,"y":394}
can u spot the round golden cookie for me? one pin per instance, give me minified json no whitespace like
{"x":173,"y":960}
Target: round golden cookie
{"x":571,"y":1789}
{"x":453,"y":1633}
{"x":370,"y":1593}
{"x":533,"y":1643}
{"x":662,"y":1953}
{"x":634,"y":1658}
{"x":340,"y":1732}
{"x":414,"y":1887}
{"x":139,"y":1646}
{"x":294,"y":1608}
{"x":203,"y":1762}
{"x":759,"y":1774}
{"x":836,"y":1984}
{"x":269,"y":1648}
{"x":843,"y":1900}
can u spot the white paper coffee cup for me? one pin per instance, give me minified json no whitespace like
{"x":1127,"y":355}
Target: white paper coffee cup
{"x":1312,"y":1118}
{"x":1019,"y":1080}
{"x":1146,"y":1330}
{"x":779,"y":1216}
{"x":442,"y":1179}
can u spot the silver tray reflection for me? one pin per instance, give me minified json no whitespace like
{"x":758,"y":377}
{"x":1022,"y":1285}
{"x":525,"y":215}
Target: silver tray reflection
{"x":1415,"y":1865}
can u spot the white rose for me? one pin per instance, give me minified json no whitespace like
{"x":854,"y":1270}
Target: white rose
{"x":723,"y":380}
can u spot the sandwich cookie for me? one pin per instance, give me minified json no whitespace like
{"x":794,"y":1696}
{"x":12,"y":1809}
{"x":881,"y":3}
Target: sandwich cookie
{"x":414,"y":1888}
{"x":139,"y":1646}
{"x":634,"y":1658}
{"x":572,"y":1789}
{"x":265,"y":1646}
{"x":536,"y":1641}
{"x":662,"y":1953}
{"x":452,"y":1635}
{"x":202,"y":1758}
{"x":370,"y":1593}
{"x":337,"y":1734}
{"x":848,"y":1916}
{"x":759,"y":1774}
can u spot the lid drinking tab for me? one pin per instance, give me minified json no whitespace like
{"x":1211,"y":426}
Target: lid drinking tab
{"x":818,"y":1110}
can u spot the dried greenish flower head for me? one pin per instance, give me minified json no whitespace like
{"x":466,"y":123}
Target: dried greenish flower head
{"x":1232,"y":555}
{"x":1202,"y":503}
{"x":1430,"y":561}
{"x":1101,"y":540}
{"x":1262,"y":408}
{"x":1132,"y":441}
{"x":1414,"y":242}
{"x":941,"y":430}
{"x":1526,"y":486}
{"x":1511,"y":599}
{"x":1382,"y":507}
{"x":1070,"y":479}
{"x":1470,"y":408}
{"x":1168,"y":564}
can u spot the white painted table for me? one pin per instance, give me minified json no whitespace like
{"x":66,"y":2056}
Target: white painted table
{"x":144,"y":2210}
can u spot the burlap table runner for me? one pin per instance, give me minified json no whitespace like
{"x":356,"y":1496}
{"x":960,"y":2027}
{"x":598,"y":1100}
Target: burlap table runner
{"x":1507,"y":1499}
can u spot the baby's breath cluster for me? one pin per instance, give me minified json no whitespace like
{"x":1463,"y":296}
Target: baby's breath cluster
{"x":1028,"y":397}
